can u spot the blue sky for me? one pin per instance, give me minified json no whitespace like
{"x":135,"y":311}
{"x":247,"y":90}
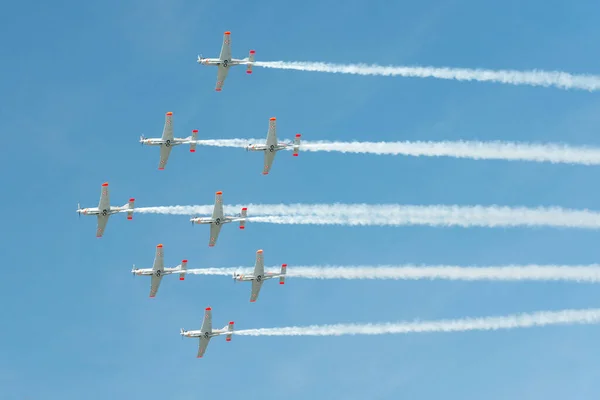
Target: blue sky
{"x":81,"y":82}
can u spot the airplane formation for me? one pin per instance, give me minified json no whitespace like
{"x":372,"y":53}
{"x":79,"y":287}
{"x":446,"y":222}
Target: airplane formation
{"x":166,"y":142}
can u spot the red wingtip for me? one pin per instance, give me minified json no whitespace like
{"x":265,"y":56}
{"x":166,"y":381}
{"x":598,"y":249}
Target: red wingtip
{"x":230,"y":322}
{"x":181,"y":278}
{"x":211,"y":245}
{"x":244,"y":208}
{"x":248,"y":71}
{"x":105,"y":184}
{"x":218,"y":90}
{"x":252,"y":301}
{"x":228,"y":33}
{"x":159,"y":245}
{"x":132,"y":199}
{"x":129,"y":217}
{"x":242,"y":227}
{"x":281,"y":283}
{"x":219,"y":192}
{"x":252,"y":51}
{"x":170,"y":113}
{"x":298,"y":135}
{"x":151,"y":297}
{"x":228,"y":339}
{"x":195,"y":131}
{"x":160,"y":169}
{"x":192,"y":150}
{"x":199,"y":357}
{"x":295,"y":154}
{"x":284,"y":265}
{"x":272,"y":119}
{"x":208,"y":308}
{"x":265,"y":173}
{"x":183,"y":261}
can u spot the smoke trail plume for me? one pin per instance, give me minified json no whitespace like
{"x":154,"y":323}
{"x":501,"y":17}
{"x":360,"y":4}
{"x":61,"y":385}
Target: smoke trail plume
{"x":538,"y":319}
{"x":497,"y":150}
{"x":576,"y":273}
{"x":558,"y":79}
{"x":400,"y":215}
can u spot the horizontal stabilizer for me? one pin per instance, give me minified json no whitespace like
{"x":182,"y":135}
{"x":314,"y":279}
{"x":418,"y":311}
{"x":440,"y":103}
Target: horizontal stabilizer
{"x":229,"y":329}
{"x":296,"y":144}
{"x":251,"y":60}
{"x":283,"y":271}
{"x":244,"y":214}
{"x":183,"y":268}
{"x":130,"y":209}
{"x":194,"y":138}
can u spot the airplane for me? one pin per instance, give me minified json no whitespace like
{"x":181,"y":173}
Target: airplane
{"x":272,"y":146}
{"x":206,"y":332}
{"x":167,"y":141}
{"x":105,"y":210}
{"x":158,"y":270}
{"x":218,"y":219}
{"x":225,"y":61}
{"x":259,"y":275}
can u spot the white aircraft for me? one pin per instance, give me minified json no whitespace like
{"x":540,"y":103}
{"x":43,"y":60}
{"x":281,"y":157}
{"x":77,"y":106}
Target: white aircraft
{"x":167,"y":141}
{"x":225,"y":61}
{"x":158,"y":270}
{"x":105,"y":210}
{"x":207,"y":332}
{"x":218,"y":219}
{"x":272,"y":146}
{"x":259,"y":275}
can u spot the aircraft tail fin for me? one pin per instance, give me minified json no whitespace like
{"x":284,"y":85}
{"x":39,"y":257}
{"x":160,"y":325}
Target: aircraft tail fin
{"x":282,"y":276}
{"x":183,"y":269}
{"x":250,"y":61}
{"x":130,"y":208}
{"x":244,"y":214}
{"x":193,"y":143}
{"x":296,"y":144}
{"x":229,"y":329}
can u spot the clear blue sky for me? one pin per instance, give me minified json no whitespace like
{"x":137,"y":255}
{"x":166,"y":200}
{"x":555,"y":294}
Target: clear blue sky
{"x":82,"y":80}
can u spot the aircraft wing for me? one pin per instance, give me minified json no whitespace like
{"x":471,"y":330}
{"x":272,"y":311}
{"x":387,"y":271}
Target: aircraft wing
{"x":259,"y":266}
{"x":157,"y":270}
{"x":256,"y":285}
{"x":214,"y":234}
{"x":168,"y":128}
{"x":226,"y":47}
{"x":102,"y":220}
{"x":155,"y":283}
{"x":272,"y":133}
{"x":269,"y":158}
{"x":104,"y":203}
{"x":164,"y":156}
{"x":221,"y":76}
{"x":202,"y":346}
{"x":207,"y":321}
{"x":218,"y":209}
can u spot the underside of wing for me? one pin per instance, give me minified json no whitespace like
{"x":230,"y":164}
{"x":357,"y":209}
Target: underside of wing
{"x":104,"y":203}
{"x":164,"y":156}
{"x":214,"y":234}
{"x":168,"y":128}
{"x":202,"y":346}
{"x":154,"y":284}
{"x":221,"y":76}
{"x":102,"y":220}
{"x":256,"y":285}
{"x":226,"y":47}
{"x":269,"y":158}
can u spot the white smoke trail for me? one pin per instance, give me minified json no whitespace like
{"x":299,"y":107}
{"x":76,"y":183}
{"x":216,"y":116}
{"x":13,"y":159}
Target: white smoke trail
{"x":561,"y":80}
{"x":542,"y":318}
{"x":512,"y":151}
{"x":400,"y":215}
{"x":576,"y":273}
